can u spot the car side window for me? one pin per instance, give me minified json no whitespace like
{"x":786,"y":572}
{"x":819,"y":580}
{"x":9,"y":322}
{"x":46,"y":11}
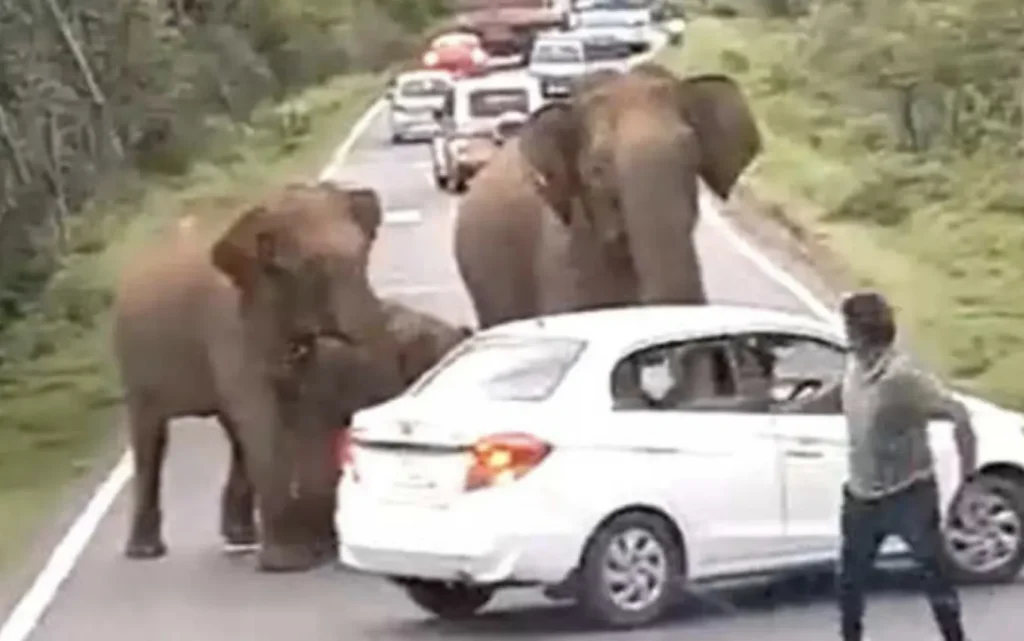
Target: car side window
{"x":681,"y":376}
{"x":801,"y":375}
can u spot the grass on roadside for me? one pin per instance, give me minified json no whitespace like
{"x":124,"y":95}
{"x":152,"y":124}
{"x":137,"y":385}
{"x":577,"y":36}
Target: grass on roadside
{"x":951,"y":260}
{"x":58,"y":387}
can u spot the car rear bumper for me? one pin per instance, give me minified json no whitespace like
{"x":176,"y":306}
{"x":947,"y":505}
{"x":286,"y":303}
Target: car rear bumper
{"x":414,"y":129}
{"x":478,"y":540}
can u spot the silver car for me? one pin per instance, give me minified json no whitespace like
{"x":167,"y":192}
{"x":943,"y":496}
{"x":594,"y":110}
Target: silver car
{"x":606,"y":25}
{"x":556,"y":60}
{"x":414,"y":98}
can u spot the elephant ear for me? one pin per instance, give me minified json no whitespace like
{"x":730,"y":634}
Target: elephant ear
{"x":249,"y":246}
{"x":549,"y":142}
{"x":719,"y":113}
{"x":362,"y":205}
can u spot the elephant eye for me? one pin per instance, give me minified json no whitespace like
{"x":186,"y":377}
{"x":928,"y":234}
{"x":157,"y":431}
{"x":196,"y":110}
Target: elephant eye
{"x":300,"y":347}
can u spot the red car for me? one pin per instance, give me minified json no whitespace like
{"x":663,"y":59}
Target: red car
{"x":460,"y":53}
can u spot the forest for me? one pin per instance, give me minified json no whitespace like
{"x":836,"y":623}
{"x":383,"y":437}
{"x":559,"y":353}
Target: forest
{"x":115,"y":117}
{"x":93,"y":92}
{"x":895,"y":140}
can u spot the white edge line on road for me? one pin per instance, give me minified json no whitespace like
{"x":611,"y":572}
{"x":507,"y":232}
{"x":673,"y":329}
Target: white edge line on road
{"x":402,"y":217}
{"x":30,"y":609}
{"x":33,"y":604}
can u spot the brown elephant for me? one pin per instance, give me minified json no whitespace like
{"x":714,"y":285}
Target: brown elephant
{"x":275,"y":331}
{"x":423,"y":339}
{"x":596,"y":201}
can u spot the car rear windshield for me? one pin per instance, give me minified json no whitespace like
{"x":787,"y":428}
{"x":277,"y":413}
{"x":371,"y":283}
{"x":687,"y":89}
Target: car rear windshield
{"x":557,"y":53}
{"x":605,"y":52}
{"x":487,"y":103}
{"x":502,"y":368}
{"x":424,"y":87}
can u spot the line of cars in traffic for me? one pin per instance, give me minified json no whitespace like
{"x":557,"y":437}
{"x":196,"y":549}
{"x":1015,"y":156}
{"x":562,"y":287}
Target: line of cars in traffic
{"x":466,"y":112}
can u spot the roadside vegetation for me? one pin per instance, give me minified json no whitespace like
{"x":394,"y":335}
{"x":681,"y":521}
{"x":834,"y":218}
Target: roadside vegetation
{"x":117,"y":118}
{"x":894,"y":138}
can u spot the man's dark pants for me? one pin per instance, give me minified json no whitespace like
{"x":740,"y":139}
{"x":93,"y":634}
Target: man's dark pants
{"x":913,"y":515}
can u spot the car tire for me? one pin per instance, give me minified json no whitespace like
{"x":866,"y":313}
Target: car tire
{"x":596,"y":595}
{"x":1003,"y":500}
{"x":441,"y":182}
{"x":448,"y":600}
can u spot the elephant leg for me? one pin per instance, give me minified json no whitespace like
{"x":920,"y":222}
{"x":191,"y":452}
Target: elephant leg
{"x":149,"y":445}
{"x":237,"y":505}
{"x":690,"y":266}
{"x":286,"y":544}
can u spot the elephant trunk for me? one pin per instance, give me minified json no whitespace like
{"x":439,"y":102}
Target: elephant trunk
{"x":361,"y":316}
{"x":658,"y":167}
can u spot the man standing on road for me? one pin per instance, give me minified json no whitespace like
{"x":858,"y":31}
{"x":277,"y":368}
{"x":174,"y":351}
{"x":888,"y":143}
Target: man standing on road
{"x":891,"y":488}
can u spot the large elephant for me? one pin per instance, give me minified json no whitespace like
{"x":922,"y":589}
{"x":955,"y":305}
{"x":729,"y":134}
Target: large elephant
{"x":275,"y":331}
{"x":596,"y":201}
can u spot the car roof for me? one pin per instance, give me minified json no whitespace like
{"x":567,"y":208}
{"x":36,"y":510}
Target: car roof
{"x":628,"y":325}
{"x":500,"y":81}
{"x":455,"y":38}
{"x":557,"y":36}
{"x":418,"y":74}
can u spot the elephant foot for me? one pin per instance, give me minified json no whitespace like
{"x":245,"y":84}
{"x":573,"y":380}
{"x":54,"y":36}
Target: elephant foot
{"x":291,"y":558}
{"x":240,"y":539}
{"x":140,"y":550}
{"x":232,"y":548}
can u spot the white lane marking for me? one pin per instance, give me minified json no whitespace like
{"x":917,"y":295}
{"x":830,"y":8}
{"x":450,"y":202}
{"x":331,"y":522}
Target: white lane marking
{"x":786,"y":280}
{"x":30,"y":609}
{"x":354,"y":134}
{"x":415,"y":290}
{"x":26,"y":615}
{"x":403,"y":217}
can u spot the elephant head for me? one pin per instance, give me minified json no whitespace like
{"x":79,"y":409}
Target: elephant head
{"x":618,"y":164}
{"x":299,"y":262}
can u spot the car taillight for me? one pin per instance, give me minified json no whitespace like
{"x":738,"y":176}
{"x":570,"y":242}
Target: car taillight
{"x":345,"y":456}
{"x":503,"y":458}
{"x":431,"y":58}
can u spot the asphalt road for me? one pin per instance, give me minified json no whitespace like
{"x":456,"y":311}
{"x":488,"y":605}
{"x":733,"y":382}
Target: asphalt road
{"x":199,"y":594}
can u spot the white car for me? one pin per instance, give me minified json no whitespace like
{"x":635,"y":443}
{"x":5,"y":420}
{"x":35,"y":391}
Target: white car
{"x":556,"y":61}
{"x":413,"y":99}
{"x":537,"y":453}
{"x":467,"y":122}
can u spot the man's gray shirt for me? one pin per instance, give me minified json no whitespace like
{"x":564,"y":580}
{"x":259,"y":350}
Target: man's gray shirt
{"x":887,"y":408}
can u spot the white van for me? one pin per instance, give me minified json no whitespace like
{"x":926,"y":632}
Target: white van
{"x":413,"y":98}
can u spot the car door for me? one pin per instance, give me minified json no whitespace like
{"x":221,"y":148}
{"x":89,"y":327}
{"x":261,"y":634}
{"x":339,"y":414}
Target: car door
{"x":711,"y":457}
{"x":804,"y":377}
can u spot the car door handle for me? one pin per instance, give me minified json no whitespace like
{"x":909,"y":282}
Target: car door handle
{"x":804,"y":454}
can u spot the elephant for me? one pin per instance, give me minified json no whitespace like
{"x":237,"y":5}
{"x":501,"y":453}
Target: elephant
{"x":423,"y":339}
{"x":595,"y":203}
{"x":273,"y":329}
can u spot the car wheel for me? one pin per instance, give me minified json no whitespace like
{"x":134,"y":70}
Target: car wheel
{"x":984,"y":531}
{"x":630,"y":571}
{"x":448,"y":600}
